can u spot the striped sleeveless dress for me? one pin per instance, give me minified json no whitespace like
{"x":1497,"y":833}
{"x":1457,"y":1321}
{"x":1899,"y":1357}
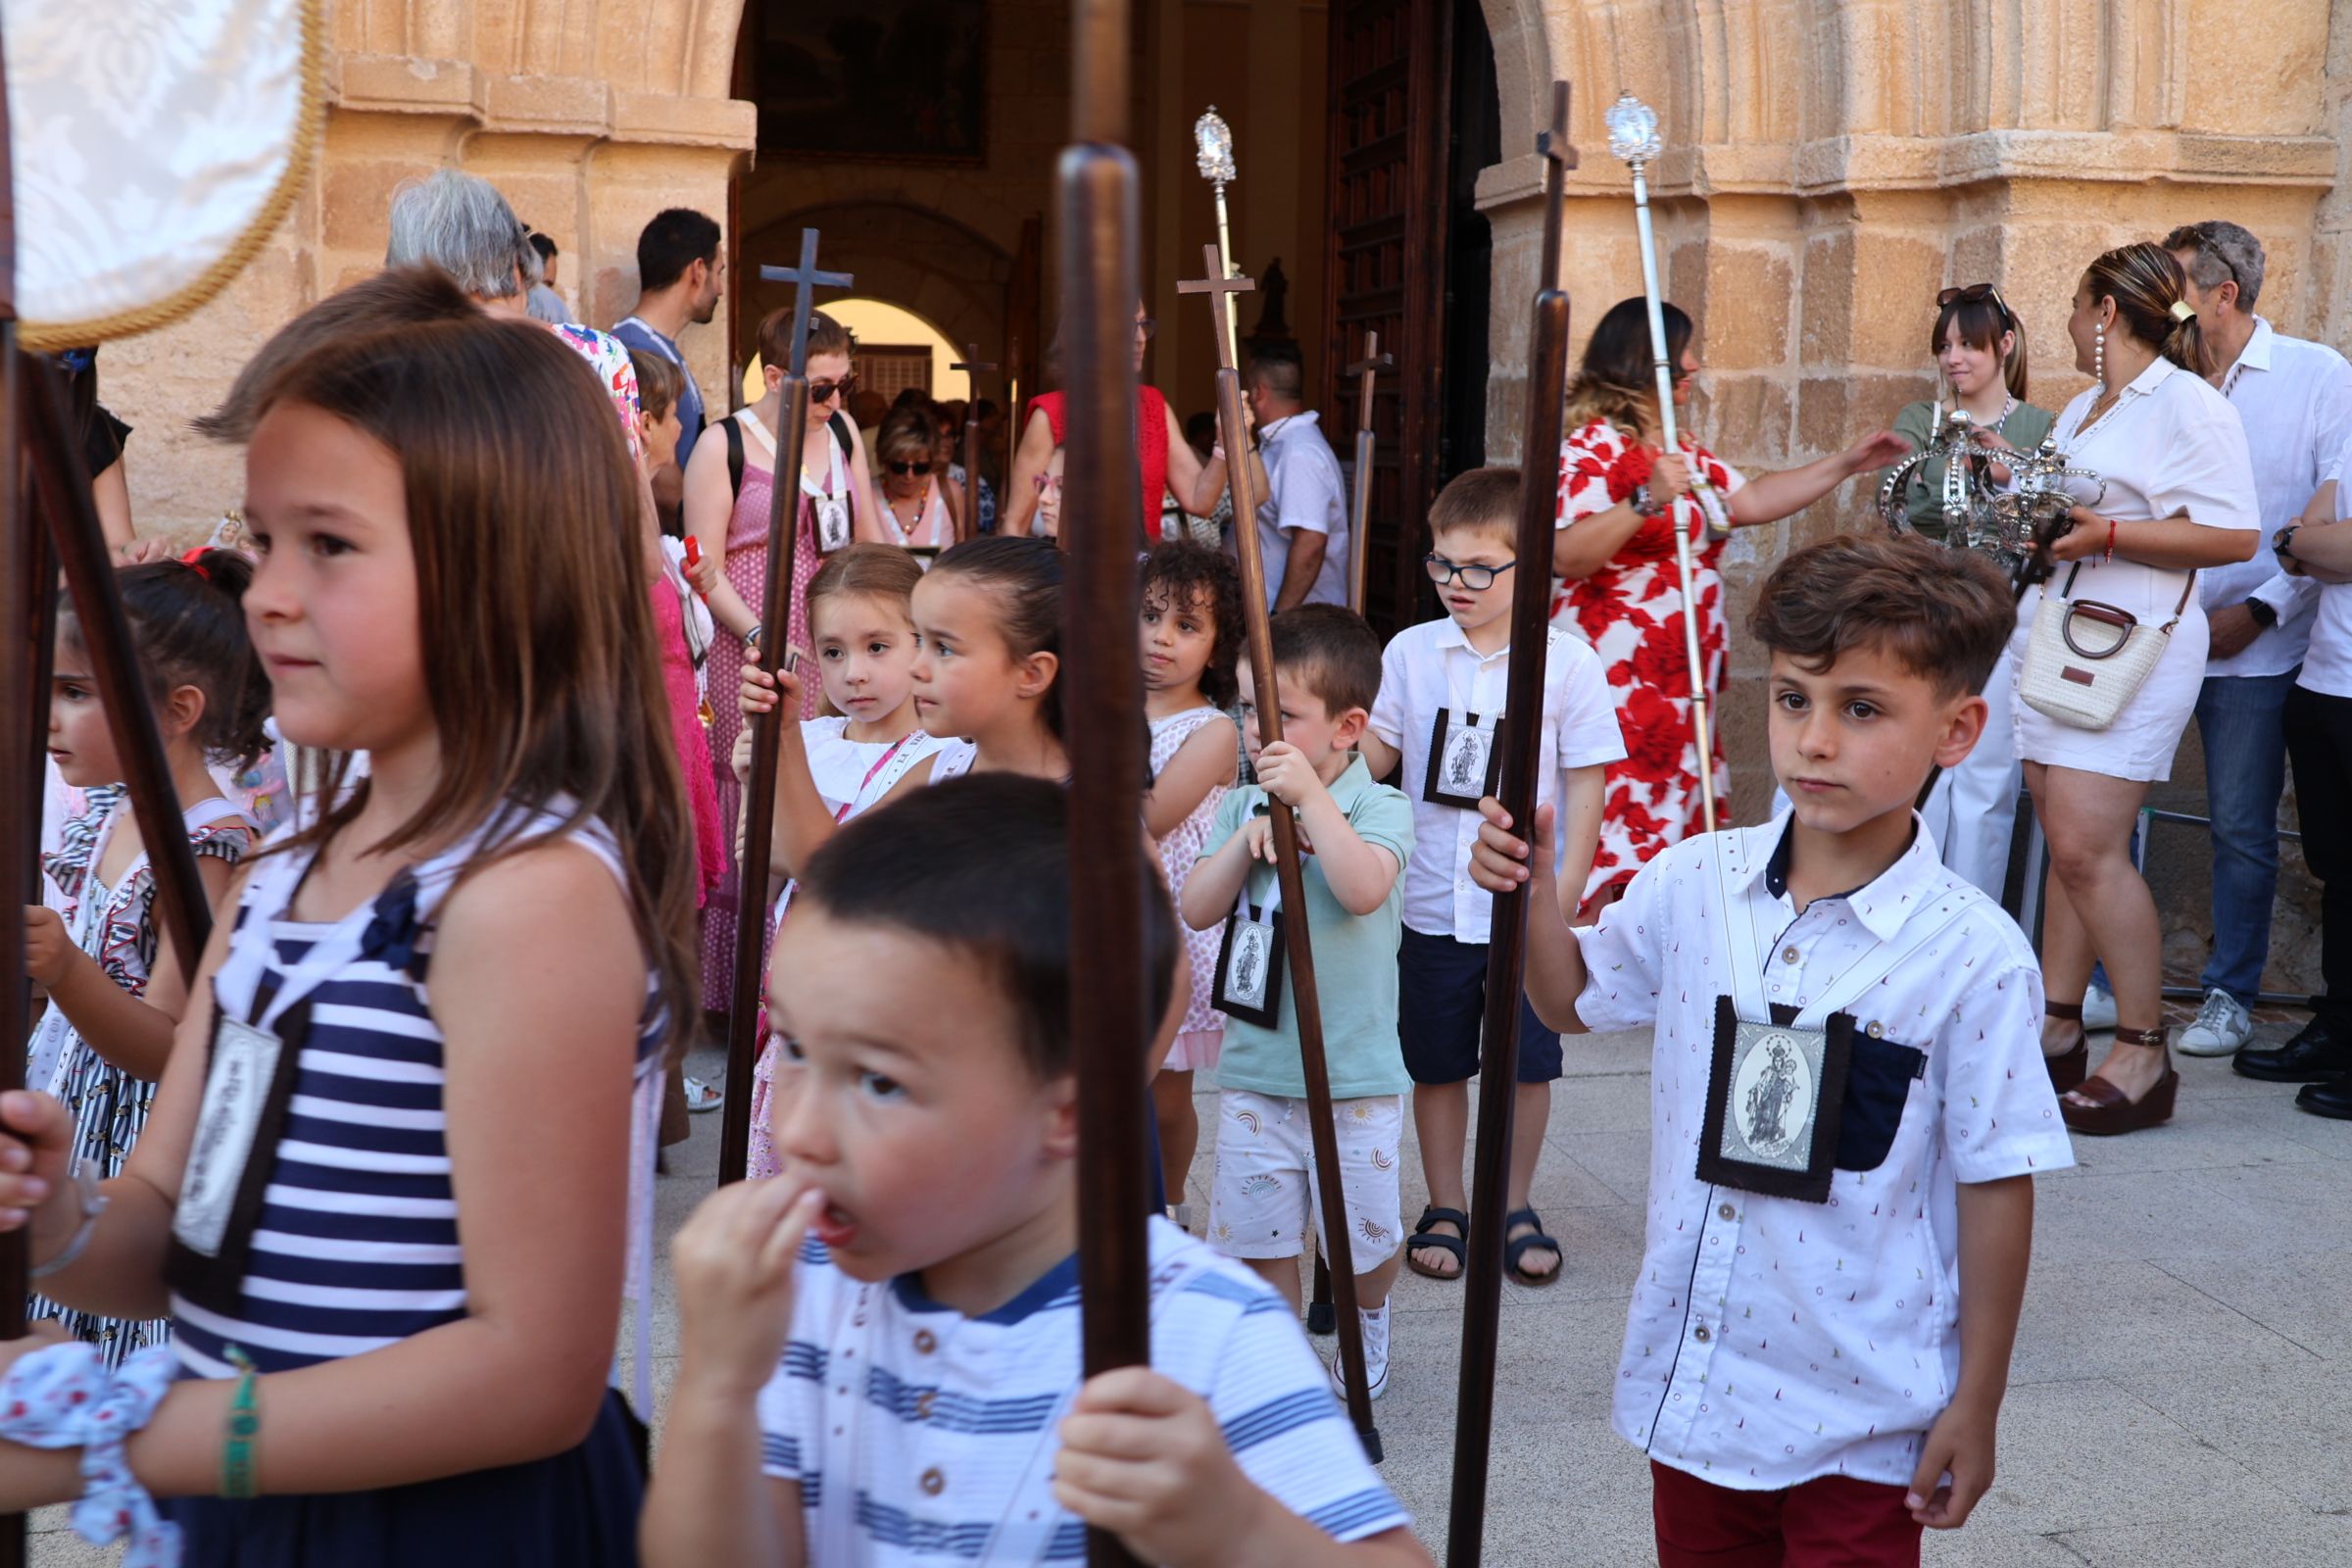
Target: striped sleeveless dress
{"x":358,"y":1247}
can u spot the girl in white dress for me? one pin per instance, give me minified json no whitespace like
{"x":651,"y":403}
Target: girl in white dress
{"x":2180,"y":496}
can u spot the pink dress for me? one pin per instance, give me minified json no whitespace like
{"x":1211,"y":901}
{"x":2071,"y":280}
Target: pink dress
{"x":746,"y":573}
{"x":686,"y":730}
{"x":1203,"y":1031}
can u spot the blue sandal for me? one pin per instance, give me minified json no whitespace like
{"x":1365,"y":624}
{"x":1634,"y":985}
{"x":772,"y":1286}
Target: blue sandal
{"x":1518,"y":1245}
{"x":1423,"y":1236}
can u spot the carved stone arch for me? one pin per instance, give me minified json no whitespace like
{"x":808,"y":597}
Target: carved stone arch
{"x":951,"y":275}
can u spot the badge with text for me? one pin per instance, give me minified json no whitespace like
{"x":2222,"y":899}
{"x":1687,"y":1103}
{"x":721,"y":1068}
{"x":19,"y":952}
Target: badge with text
{"x":1774,"y":1099}
{"x":1249,"y":965}
{"x":832,"y":523}
{"x":1466,"y":759}
{"x":248,"y":1084}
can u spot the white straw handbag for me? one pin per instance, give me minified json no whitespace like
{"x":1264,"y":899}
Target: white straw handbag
{"x":2085,"y":660}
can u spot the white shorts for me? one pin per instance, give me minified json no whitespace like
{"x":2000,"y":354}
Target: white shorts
{"x":1265,"y":1193}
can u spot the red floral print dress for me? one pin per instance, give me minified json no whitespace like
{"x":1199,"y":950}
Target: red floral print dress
{"x":1630,"y":613}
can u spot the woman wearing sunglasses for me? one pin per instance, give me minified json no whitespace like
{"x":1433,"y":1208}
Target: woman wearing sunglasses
{"x":1618,"y":587}
{"x":917,"y":512}
{"x":1979,"y":347}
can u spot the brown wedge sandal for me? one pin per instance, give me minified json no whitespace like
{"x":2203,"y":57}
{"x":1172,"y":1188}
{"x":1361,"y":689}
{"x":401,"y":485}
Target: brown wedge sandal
{"x":2068,"y":1069}
{"x":2109,"y":1111}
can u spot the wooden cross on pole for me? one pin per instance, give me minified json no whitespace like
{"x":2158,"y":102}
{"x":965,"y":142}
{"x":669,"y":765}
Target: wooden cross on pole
{"x":968,"y":526}
{"x":1506,"y":950}
{"x":1307,"y":999}
{"x":1366,"y":370}
{"x":759,"y":826}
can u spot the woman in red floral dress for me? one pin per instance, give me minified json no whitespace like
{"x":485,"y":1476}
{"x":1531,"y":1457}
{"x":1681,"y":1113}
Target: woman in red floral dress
{"x":1616,"y":585}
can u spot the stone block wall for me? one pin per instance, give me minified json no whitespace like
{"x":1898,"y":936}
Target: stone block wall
{"x":1830,"y":167}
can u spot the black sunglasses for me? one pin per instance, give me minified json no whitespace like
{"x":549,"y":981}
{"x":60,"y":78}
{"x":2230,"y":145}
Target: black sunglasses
{"x":1474,"y":577}
{"x":1976,"y":293}
{"x":821,"y":391}
{"x":903,"y":469}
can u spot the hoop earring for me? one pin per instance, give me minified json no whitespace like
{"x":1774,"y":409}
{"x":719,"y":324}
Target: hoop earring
{"x":2098,"y":356}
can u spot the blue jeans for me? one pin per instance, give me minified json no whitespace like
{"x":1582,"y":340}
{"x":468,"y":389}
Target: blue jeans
{"x":2245,"y":773}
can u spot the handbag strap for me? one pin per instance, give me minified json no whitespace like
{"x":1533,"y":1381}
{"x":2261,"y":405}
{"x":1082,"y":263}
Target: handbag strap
{"x":2178,"y":610}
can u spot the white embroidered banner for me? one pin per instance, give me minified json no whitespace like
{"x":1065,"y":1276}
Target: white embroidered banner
{"x":156,"y":144}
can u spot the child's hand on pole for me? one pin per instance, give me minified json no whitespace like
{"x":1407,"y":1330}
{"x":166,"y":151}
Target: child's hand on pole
{"x":760,"y":692}
{"x":36,"y":1136}
{"x":1499,"y":862}
{"x":734,"y":1261}
{"x":1143,"y":1458}
{"x":48,"y":950}
{"x":1285,"y":774}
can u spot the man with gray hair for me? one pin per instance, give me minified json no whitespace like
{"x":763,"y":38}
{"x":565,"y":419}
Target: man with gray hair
{"x":463,"y":225}
{"x":2296,"y":399}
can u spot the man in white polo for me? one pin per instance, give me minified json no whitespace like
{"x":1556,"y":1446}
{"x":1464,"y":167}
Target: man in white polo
{"x":2296,"y":399}
{"x":1303,"y":521}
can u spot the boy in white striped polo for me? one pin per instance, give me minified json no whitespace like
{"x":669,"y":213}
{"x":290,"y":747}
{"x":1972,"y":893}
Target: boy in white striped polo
{"x":881,"y":1346}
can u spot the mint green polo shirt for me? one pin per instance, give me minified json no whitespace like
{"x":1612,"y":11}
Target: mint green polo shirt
{"x":1356,"y":958}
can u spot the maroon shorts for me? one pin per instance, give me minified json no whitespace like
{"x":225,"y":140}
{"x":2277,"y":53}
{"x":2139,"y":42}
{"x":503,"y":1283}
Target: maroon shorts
{"x":1828,"y":1522}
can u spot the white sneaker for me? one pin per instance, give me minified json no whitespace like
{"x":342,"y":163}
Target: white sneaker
{"x":1376,"y":1355}
{"x":2098,"y":1009}
{"x":2221,"y":1027}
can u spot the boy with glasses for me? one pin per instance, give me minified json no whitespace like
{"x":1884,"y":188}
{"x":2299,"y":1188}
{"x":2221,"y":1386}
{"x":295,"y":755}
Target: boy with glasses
{"x":1439,"y":711}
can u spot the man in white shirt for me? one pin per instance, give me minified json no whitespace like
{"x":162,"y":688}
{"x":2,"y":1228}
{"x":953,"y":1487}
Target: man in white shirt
{"x":1303,"y":521}
{"x":2296,"y":399}
{"x":2319,"y":742}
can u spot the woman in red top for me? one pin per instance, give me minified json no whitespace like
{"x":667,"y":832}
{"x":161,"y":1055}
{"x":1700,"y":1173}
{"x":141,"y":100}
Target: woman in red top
{"x":1169,"y":465}
{"x":1616,"y":585}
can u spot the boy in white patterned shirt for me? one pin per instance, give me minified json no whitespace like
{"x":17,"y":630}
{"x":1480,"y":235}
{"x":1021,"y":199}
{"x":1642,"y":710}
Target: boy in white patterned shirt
{"x":1819,"y":1341}
{"x":1440,"y":706}
{"x":881,"y":1344}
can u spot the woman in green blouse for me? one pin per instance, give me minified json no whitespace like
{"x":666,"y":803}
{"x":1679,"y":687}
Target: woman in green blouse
{"x":1979,"y":349}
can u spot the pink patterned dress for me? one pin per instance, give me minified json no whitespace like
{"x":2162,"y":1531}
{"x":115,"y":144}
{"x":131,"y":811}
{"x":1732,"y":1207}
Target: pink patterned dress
{"x":1630,"y":612}
{"x":1203,"y":1031}
{"x":746,"y":573}
{"x":686,"y":730}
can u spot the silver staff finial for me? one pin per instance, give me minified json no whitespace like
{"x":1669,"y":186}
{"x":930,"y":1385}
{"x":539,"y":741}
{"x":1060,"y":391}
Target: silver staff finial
{"x":1212,"y":143}
{"x":1632,"y":130}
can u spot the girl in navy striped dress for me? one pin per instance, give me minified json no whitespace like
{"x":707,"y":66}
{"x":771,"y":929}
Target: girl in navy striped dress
{"x":383,"y":1191}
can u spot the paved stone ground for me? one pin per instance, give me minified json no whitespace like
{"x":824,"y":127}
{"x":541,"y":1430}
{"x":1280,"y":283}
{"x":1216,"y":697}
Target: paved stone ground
{"x":2181,"y":1395}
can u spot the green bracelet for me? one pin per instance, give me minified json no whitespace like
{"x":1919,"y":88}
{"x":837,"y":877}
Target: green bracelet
{"x":237,"y":1434}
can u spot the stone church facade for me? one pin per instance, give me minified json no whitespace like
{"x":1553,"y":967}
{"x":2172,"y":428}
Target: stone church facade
{"x":1831,"y":163}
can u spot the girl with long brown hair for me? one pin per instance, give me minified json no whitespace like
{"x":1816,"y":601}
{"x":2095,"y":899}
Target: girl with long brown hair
{"x":383,"y":1191}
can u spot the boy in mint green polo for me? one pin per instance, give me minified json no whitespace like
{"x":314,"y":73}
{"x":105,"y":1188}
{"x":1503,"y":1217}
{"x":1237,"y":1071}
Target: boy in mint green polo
{"x":1357,"y":836}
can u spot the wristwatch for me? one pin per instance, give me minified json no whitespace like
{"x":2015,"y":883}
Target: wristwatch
{"x":2265,"y":614}
{"x":2283,"y":543}
{"x":1640,"y":501}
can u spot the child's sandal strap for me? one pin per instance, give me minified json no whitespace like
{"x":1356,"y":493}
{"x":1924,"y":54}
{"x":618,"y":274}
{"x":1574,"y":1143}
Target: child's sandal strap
{"x":2064,"y":1011}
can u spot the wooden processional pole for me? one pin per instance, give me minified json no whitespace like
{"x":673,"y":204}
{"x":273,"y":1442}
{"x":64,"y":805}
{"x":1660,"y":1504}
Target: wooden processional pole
{"x":1112,"y":986}
{"x":971,"y":364}
{"x":1506,"y":950}
{"x":1299,"y":948}
{"x":759,"y":826}
{"x":1366,"y":371}
{"x":48,"y":519}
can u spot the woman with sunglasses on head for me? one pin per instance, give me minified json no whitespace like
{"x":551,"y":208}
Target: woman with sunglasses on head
{"x":916,"y":510}
{"x":1617,"y":584}
{"x":729,"y":491}
{"x":1170,"y":465}
{"x":1979,"y":346}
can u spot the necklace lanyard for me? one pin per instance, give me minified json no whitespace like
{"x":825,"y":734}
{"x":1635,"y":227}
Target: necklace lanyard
{"x":880,"y":762}
{"x":748,"y":418}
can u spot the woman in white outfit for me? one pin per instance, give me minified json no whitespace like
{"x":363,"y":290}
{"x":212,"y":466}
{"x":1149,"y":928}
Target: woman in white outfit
{"x":2180,"y":496}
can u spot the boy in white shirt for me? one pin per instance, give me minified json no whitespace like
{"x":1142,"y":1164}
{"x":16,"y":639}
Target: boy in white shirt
{"x":882,"y":1343}
{"x":1441,"y":698}
{"x":1842,"y":1146}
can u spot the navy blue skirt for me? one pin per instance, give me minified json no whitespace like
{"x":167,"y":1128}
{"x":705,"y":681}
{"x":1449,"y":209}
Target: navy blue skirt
{"x":578,"y":1509}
